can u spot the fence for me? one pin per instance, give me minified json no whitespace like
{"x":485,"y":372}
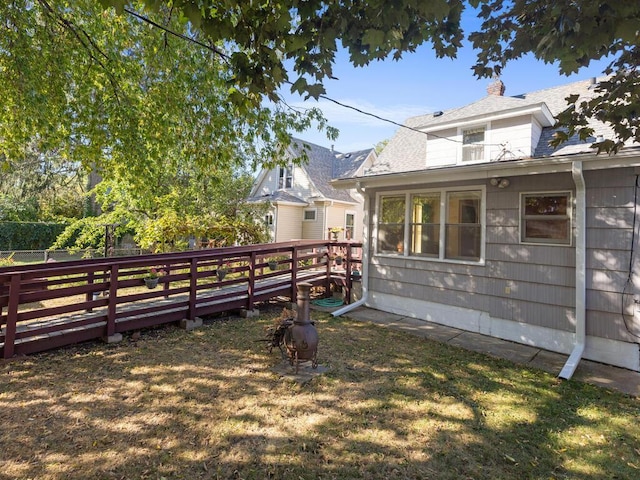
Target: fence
{"x":40,"y":256}
{"x":48,"y":305}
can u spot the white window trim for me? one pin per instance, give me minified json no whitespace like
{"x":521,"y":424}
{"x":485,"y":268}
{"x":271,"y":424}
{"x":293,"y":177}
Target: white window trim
{"x":443,"y":206}
{"x":286,"y":172}
{"x":315,"y":215}
{"x":570,"y":206}
{"x":487,"y":141}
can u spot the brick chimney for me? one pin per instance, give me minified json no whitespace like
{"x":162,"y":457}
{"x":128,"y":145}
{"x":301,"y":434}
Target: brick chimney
{"x":496,"y":88}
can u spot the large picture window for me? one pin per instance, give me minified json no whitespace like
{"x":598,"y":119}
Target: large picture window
{"x":545,"y":218}
{"x":425,"y":224}
{"x":391,"y":220}
{"x":445,"y":225}
{"x":463,"y":229}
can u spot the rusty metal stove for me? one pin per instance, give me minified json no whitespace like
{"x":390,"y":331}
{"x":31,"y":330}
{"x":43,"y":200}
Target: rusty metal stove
{"x":301,"y":338}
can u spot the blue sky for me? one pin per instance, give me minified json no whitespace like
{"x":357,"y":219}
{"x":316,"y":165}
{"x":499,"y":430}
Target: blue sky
{"x":418,"y":84}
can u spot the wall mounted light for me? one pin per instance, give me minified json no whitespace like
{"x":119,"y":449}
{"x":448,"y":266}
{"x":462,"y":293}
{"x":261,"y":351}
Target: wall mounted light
{"x":500,"y":182}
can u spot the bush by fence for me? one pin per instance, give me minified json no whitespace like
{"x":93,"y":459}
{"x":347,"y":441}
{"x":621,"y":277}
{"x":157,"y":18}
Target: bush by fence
{"x":40,"y":256}
{"x":29,"y":235}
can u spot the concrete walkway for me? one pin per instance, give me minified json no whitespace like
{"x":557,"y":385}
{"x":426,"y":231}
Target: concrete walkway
{"x":623,"y":380}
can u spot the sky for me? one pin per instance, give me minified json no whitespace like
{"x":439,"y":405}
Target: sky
{"x":418,"y":84}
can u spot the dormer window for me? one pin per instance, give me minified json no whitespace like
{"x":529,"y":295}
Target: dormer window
{"x":473,"y":148}
{"x":285,"y":177}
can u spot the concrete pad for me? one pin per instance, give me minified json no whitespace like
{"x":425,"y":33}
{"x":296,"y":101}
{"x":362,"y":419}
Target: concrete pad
{"x":305,"y":372}
{"x":621,"y":379}
{"x":115,"y":338}
{"x":244,"y":313}
{"x":547,"y":361}
{"x":365,"y":314}
{"x":189,"y":325}
{"x":421,"y":328}
{"x":496,"y":347}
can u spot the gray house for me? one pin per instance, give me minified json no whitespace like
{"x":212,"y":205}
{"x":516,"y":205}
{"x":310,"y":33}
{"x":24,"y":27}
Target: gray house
{"x":303,"y":203}
{"x":473,"y":221}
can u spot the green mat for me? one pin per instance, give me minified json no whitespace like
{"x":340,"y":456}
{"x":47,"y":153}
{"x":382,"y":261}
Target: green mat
{"x":327,"y":302}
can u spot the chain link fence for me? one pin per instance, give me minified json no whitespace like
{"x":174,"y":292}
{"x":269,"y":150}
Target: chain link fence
{"x":42,"y":256}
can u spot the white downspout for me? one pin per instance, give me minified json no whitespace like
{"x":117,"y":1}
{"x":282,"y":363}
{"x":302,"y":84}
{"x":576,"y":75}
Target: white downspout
{"x":365,"y":258}
{"x":581,"y":319}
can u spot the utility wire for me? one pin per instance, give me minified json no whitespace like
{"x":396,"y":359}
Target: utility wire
{"x":324,"y":97}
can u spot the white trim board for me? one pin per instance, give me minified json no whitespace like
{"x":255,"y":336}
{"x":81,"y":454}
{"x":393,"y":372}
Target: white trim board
{"x":611,"y":352}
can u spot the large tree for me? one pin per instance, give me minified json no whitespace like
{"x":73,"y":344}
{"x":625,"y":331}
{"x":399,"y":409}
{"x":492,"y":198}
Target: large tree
{"x":262,"y":38}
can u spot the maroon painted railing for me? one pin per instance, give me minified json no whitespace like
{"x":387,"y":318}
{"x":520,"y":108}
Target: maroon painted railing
{"x":49,"y":305}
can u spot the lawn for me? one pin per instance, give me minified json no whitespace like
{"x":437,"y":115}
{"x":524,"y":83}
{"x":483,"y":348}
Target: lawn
{"x":171,"y":404}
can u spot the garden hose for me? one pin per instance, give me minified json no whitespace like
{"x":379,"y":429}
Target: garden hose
{"x":328,"y":302}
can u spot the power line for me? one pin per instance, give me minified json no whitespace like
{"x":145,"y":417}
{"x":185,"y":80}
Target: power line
{"x":324,"y":97}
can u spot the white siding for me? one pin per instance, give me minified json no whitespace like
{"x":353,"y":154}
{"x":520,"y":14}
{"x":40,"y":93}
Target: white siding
{"x":288,"y":223}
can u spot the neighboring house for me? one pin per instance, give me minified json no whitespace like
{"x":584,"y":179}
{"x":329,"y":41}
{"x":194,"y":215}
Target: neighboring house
{"x":303,"y":203}
{"x":473,"y":221}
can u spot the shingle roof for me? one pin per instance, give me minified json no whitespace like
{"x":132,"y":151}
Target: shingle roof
{"x":277,"y":196}
{"x":325,"y":165}
{"x":407,"y":149}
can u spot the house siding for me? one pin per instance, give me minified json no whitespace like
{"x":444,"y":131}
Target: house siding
{"x":533,"y":284}
{"x":314,"y":230}
{"x":288,"y":223}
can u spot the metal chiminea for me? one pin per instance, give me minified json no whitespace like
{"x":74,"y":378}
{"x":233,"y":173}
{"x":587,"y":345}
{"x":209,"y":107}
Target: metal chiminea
{"x":301,"y":338}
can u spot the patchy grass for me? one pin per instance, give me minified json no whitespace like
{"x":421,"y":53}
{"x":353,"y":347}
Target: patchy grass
{"x":207,"y":404}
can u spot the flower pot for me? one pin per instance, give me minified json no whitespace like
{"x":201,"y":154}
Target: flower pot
{"x":273,"y":266}
{"x":338,"y":260}
{"x":221,"y":274}
{"x":151,"y":283}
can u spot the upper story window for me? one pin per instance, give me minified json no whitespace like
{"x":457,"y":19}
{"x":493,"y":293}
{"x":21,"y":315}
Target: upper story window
{"x":546,"y":218}
{"x":285,"y":177}
{"x":473,"y":144}
{"x":444,"y":224}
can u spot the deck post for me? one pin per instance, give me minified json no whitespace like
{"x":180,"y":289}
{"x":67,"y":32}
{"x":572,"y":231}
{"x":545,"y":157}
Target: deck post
{"x":294,"y":273}
{"x":111,"y":307}
{"x":12,"y":316}
{"x":252,"y":279}
{"x":193,"y":288}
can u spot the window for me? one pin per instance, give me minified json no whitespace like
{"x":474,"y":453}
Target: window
{"x":425,"y":224}
{"x":473,"y":144}
{"x":546,"y":218}
{"x":391,"y":224}
{"x":268,"y":220}
{"x":349,"y":225}
{"x":463,"y":228}
{"x":309,"y":215}
{"x":285,"y":177}
{"x":444,"y":225}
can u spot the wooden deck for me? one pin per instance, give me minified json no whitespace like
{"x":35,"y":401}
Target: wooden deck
{"x":51,"y":305}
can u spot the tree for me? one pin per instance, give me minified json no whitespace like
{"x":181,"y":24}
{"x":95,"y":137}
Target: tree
{"x":114,"y":92}
{"x":261,"y":38}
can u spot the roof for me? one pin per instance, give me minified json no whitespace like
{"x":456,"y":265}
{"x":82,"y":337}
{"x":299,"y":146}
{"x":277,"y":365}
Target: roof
{"x":407,"y":149}
{"x":277,"y":196}
{"x":325,"y":164}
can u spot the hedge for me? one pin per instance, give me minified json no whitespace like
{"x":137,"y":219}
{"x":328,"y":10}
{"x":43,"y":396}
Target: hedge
{"x":29,"y":235}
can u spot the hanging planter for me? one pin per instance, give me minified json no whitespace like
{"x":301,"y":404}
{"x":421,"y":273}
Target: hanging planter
{"x":221,"y":273}
{"x":338,"y":260}
{"x":151,"y":283}
{"x":152,"y":278}
{"x":273,"y":265}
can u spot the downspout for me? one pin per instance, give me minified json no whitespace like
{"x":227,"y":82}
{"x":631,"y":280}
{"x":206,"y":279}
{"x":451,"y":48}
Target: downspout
{"x":365,"y":258}
{"x":581,"y":316}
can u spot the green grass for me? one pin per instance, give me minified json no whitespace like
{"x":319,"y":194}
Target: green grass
{"x":209,"y":404}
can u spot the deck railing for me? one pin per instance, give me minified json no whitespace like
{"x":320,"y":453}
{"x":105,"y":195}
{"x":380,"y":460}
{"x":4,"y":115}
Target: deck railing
{"x":50,"y":305}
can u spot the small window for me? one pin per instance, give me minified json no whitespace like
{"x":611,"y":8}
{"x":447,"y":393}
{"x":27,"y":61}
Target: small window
{"x":285,"y":177}
{"x":268,"y":220}
{"x":546,"y":218}
{"x":310,"y":215}
{"x":473,"y":144}
{"x":349,"y":226}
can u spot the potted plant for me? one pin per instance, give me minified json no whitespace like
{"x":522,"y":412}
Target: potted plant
{"x":222,"y":271}
{"x":334,"y":231}
{"x":272,"y":263}
{"x":152,"y":277}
